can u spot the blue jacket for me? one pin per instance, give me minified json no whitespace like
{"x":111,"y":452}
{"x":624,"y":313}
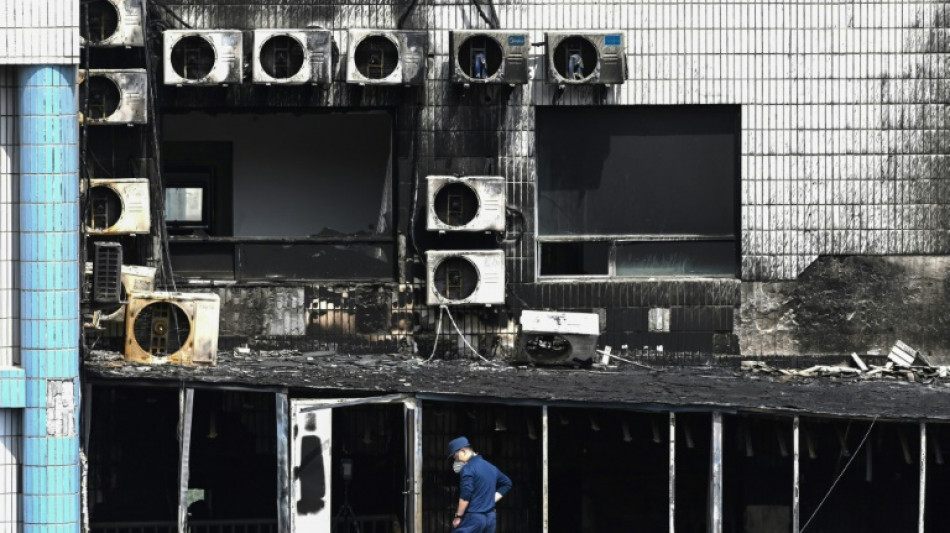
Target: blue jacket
{"x":480,"y":481}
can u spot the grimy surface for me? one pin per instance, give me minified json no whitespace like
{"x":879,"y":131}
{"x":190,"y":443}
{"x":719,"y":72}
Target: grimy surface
{"x":703,"y":388}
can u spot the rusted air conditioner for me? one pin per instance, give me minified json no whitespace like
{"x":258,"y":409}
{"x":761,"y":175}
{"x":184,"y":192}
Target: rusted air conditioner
{"x":111,"y":97}
{"x":111,"y":23}
{"x":468,"y":203}
{"x":203,"y":57}
{"x":292,"y":57}
{"x":557,"y":338}
{"x":586,"y":58}
{"x":118,"y":207}
{"x":386,"y":57}
{"x":470,"y":277}
{"x":172,"y":328}
{"x":489,"y":56}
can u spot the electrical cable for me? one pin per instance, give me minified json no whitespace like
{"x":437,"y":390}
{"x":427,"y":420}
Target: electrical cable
{"x":438,"y":333}
{"x":405,"y":14}
{"x":840,"y":475}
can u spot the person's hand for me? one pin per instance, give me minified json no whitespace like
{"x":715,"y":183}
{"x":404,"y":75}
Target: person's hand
{"x":456,"y":522}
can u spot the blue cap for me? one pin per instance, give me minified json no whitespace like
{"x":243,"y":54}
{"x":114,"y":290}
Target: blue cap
{"x":457,"y":444}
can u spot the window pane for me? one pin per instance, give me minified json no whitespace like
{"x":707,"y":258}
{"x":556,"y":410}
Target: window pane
{"x":316,"y":261}
{"x":637,"y":170}
{"x":682,"y":258}
{"x":575,"y":258}
{"x":184,"y":204}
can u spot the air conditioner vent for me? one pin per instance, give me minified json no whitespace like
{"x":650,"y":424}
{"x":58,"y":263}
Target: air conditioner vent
{"x":487,"y":56}
{"x":471,"y":277}
{"x":467,"y":203}
{"x":384,"y":57}
{"x":586,"y":58}
{"x":114,"y":96}
{"x":111,"y":23}
{"x":290,"y":57}
{"x":554,"y":338}
{"x":168,"y":327}
{"x":106,"y":274}
{"x":203,"y":57}
{"x":117,"y":207}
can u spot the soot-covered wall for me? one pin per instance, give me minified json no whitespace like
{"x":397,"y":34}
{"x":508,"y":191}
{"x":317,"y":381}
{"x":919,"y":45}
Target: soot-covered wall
{"x":843,"y":151}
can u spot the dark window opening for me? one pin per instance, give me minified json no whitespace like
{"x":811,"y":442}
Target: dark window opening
{"x":757,"y":486}
{"x":133,"y":455}
{"x":879,"y":490}
{"x":938,"y":477}
{"x":659,"y":183}
{"x":608,"y":471}
{"x":281,"y":196}
{"x":575,"y":258}
{"x":508,"y":437}
{"x":233,"y":457}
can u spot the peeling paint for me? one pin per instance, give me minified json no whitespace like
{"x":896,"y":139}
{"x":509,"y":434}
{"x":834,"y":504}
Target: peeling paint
{"x":60,"y":408}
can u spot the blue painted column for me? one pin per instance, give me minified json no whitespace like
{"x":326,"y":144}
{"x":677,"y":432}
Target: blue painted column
{"x":49,"y":295}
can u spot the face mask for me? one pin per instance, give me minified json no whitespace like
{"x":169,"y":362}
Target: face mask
{"x":457,"y":466}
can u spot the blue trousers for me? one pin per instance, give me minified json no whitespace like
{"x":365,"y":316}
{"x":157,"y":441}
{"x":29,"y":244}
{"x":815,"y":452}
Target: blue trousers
{"x":477,"y":523}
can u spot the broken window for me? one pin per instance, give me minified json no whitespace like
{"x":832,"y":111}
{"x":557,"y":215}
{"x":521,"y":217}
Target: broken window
{"x":302,"y":196}
{"x":606,"y":468}
{"x":875,"y":469}
{"x":133,"y":456}
{"x":654,"y":187}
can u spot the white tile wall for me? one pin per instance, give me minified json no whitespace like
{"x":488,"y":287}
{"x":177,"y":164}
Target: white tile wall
{"x":39,"y":32}
{"x":9,"y":221}
{"x":10,"y":454}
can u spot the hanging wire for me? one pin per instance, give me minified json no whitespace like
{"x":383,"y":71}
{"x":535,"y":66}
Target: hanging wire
{"x":840,"y":475}
{"x":443,"y":309}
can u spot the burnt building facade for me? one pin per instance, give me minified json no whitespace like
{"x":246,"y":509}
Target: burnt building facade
{"x":314,"y":233}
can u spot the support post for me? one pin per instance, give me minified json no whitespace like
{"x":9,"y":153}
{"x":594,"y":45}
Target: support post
{"x":715,"y":489}
{"x":283,"y":462}
{"x":48,"y":133}
{"x":545,"y":477}
{"x":672,"y":472}
{"x":186,"y":404}
{"x":417,"y":467}
{"x":796,"y":446}
{"x":923,"y":477}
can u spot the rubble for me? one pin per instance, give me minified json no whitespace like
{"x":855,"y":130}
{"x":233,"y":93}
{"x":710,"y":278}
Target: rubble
{"x":899,"y":367}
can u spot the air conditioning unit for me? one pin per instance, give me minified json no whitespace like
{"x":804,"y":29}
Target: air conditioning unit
{"x":469,"y":203}
{"x":135,"y":279}
{"x":557,"y":338}
{"x":118,"y":207}
{"x":111,"y":23}
{"x":203,"y":57}
{"x":386,"y":57}
{"x":106,"y":274}
{"x":489,"y":56}
{"x":292,"y":57}
{"x":172,"y":327}
{"x":586,"y":58}
{"x":471,"y":277}
{"x":114,"y":96}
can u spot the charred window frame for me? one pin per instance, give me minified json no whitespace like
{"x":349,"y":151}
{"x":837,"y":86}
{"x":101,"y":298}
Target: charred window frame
{"x":271,"y":247}
{"x":638,"y":191}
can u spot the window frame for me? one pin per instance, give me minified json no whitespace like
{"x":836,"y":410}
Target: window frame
{"x":613,"y":240}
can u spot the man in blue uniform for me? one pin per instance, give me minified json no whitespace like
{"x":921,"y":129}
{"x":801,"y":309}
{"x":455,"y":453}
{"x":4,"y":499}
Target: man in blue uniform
{"x":480,"y":487}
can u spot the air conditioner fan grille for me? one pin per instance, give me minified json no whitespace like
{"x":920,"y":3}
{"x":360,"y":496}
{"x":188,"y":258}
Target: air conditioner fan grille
{"x":161,"y":328}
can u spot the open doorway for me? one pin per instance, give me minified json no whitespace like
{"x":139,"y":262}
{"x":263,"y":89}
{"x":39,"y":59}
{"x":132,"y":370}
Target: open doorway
{"x":351,"y":469}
